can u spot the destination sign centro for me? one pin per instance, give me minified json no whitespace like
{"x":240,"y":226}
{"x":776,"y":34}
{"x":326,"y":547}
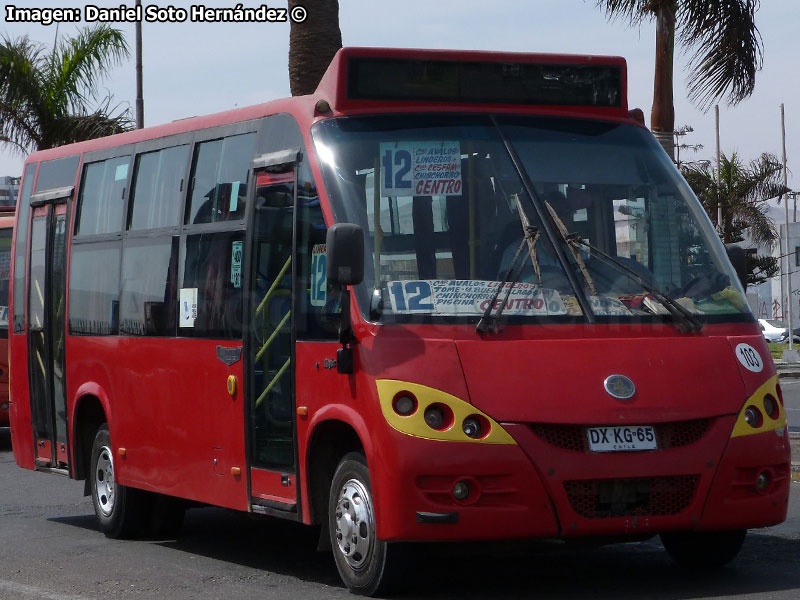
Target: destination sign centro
{"x":420,"y":169}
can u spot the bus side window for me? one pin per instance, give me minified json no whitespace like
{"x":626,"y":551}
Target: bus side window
{"x":157,"y":188}
{"x":210,"y":297}
{"x":149,"y":276}
{"x":101,"y":200}
{"x":219,"y":180}
{"x":94,"y":288}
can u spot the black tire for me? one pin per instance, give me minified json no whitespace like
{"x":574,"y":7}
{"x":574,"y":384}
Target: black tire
{"x":704,"y":550}
{"x":360,"y":556}
{"x":121,"y":511}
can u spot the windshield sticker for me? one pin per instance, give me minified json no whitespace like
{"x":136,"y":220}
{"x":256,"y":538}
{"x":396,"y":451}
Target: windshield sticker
{"x":319,"y":276}
{"x":188,"y":310}
{"x":468,"y":297}
{"x":3,"y":316}
{"x":236,"y":263}
{"x":749,"y":357}
{"x":608,"y":306}
{"x":420,"y":169}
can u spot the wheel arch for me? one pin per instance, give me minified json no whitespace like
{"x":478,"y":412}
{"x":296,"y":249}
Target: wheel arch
{"x":330,"y":440}
{"x":90,"y":412}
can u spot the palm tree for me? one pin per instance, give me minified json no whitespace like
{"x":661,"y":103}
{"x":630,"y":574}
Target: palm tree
{"x":742,"y":192}
{"x":312,"y":44}
{"x":726,"y":44}
{"x":45,"y":96}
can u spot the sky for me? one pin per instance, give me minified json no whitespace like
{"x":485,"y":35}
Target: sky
{"x":193,"y":68}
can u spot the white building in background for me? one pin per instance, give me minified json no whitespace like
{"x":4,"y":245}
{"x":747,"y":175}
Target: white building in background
{"x":771,"y":294}
{"x":9,"y":190}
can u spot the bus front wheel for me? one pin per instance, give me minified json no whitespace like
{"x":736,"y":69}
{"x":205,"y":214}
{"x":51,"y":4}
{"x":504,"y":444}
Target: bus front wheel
{"x":360,"y":556}
{"x":703,"y":549}
{"x":118,"y":508}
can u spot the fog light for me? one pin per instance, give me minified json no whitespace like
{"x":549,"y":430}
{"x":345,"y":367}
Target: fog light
{"x":771,"y":407}
{"x":763,"y":480}
{"x":752,"y":416}
{"x":405,"y":404}
{"x":461,"y":490}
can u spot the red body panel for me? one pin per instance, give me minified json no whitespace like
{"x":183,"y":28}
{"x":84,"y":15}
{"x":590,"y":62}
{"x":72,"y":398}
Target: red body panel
{"x":168,"y":406}
{"x":557,"y":381}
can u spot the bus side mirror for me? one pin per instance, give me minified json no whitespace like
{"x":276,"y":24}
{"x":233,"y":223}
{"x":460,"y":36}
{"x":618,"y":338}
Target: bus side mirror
{"x":738,"y":258}
{"x":344,"y":246}
{"x":345,"y":249}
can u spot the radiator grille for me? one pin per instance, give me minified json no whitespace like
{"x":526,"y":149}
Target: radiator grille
{"x":639,"y":497}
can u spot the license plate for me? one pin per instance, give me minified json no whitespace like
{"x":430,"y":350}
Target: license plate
{"x":626,"y":438}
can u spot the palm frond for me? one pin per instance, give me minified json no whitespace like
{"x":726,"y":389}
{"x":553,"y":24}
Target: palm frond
{"x":632,"y":11}
{"x":79,"y":63}
{"x":728,"y":49}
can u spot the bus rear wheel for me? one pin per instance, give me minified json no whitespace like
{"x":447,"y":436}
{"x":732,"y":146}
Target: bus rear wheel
{"x":703,"y":550}
{"x":360,"y":556}
{"x":119,"y":509}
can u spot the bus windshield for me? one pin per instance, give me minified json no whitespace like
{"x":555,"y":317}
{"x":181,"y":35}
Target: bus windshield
{"x":445,"y":214}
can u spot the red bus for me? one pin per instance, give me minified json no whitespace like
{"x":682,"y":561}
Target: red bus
{"x":6,"y":232}
{"x":449,"y":296}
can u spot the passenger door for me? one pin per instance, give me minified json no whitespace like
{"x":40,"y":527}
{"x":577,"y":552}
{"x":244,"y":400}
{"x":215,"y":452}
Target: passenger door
{"x":46,"y":329}
{"x":270,"y":345}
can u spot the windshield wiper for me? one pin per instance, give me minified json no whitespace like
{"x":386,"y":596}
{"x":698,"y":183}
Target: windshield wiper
{"x":530,"y":235}
{"x":686,"y":320}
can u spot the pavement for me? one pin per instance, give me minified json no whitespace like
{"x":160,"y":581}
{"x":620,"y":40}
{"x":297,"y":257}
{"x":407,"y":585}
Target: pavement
{"x":791,"y":371}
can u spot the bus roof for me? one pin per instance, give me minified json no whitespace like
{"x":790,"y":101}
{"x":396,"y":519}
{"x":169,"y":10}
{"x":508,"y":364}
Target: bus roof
{"x":414,"y":79}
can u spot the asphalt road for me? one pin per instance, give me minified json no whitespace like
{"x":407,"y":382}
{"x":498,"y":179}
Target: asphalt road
{"x":50,"y":549}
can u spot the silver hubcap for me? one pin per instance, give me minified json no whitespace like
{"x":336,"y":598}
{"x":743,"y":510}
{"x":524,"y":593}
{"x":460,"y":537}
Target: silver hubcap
{"x":104,"y":481}
{"x":355,"y":524}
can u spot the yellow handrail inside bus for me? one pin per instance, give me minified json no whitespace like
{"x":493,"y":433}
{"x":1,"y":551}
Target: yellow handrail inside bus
{"x":274,"y":285}
{"x":272,"y":336}
{"x":272,"y":383}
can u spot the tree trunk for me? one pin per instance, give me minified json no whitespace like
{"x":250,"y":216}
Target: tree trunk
{"x":662,"y":117}
{"x":312,"y":44}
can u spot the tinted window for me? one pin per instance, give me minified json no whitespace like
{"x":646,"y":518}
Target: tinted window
{"x":219,"y":179}
{"x":94,"y":288}
{"x":149,"y":277}
{"x":102,"y":196}
{"x":317,"y":304}
{"x":21,"y":247}
{"x":211,"y":293}
{"x":57,"y":173}
{"x":157,"y":189}
{"x":5,"y":273}
{"x":38,"y":270}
